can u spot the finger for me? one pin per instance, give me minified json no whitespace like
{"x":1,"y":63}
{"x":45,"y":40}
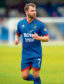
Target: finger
{"x":33,"y":35}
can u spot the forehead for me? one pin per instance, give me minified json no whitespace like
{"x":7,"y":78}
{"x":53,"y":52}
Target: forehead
{"x":32,"y":8}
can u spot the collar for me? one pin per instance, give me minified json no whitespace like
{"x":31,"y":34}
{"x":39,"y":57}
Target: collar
{"x":29,"y":22}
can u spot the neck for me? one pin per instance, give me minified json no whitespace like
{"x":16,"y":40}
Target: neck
{"x":29,"y":20}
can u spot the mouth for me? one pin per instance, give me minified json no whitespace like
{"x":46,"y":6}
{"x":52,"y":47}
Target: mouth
{"x":32,"y":16}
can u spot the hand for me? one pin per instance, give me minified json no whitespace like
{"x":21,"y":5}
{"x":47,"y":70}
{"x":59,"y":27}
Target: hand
{"x":16,"y":42}
{"x":35,"y":36}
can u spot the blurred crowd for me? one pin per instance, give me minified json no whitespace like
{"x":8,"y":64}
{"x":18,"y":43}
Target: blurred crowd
{"x":45,"y":8}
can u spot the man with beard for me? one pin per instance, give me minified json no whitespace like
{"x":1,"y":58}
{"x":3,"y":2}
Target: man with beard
{"x":33,"y":32}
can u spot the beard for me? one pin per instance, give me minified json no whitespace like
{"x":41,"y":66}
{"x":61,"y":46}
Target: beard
{"x":32,"y":16}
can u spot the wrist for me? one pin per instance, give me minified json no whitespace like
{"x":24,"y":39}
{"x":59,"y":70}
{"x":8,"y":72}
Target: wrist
{"x":39,"y":38}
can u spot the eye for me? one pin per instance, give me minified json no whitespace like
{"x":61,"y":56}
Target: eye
{"x":33,"y":10}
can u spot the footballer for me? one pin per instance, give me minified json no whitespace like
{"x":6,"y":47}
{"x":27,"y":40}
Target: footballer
{"x":33,"y":32}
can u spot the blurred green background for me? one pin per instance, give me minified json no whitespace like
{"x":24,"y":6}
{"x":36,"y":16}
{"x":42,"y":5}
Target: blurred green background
{"x":52,"y":70}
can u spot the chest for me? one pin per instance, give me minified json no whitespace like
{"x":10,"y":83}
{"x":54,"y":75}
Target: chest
{"x":30,"y":28}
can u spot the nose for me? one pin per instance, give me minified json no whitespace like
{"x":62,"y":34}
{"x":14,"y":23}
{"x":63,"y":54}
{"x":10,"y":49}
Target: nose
{"x":34,"y":12}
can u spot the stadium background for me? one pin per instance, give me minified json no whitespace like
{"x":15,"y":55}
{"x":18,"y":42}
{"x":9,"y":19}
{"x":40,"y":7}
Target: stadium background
{"x":51,"y":12}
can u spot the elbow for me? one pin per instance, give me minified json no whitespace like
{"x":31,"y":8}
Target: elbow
{"x":47,"y":39}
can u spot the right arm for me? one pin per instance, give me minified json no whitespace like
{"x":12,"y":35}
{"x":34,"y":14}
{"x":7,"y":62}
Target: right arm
{"x":16,"y":39}
{"x":17,"y":35}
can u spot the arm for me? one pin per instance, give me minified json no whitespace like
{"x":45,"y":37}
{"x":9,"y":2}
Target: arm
{"x":16,"y":39}
{"x":17,"y":35}
{"x":44,"y":38}
{"x":41,"y":38}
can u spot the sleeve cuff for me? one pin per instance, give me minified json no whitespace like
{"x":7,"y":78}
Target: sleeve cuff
{"x":18,"y":34}
{"x":45,"y":35}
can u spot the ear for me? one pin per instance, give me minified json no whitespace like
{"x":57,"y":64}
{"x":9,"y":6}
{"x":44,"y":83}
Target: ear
{"x":26,"y":12}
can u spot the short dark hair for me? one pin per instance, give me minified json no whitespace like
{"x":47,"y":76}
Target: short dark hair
{"x":27,"y":6}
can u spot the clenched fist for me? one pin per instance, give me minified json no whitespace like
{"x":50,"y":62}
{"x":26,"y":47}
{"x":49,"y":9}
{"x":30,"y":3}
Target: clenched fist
{"x":35,"y":36}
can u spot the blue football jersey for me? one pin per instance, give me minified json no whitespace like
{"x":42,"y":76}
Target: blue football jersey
{"x":30,"y":47}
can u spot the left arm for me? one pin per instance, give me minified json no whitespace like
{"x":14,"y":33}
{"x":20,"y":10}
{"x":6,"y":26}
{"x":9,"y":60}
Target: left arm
{"x":44,"y":38}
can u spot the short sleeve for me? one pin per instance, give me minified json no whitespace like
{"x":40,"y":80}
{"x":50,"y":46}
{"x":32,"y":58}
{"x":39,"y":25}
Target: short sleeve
{"x":43,"y":30}
{"x":18,"y":32}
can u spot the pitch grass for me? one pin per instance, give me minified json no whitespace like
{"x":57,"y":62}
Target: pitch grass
{"x":52,"y":70}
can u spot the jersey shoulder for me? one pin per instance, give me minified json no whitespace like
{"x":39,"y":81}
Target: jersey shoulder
{"x":21,"y":21}
{"x":40,"y":23}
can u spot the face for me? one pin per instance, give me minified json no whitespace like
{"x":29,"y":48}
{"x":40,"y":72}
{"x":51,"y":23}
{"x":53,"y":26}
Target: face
{"x":31,"y":13}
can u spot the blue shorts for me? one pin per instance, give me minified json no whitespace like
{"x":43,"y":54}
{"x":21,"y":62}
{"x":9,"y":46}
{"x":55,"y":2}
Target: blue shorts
{"x":34,"y":63}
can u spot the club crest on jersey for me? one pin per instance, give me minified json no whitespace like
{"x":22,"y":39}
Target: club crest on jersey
{"x":34,"y":26}
{"x":23,"y":26}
